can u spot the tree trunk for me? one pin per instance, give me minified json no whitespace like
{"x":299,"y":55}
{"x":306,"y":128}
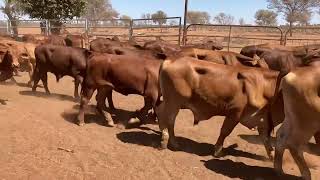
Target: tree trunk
{"x":290,"y":28}
{"x":14,"y":25}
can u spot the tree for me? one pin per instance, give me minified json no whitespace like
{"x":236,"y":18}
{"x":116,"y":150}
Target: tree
{"x":293,"y":10}
{"x":224,"y":19}
{"x":159,"y":17}
{"x":12,"y":9}
{"x":99,"y":10}
{"x":266,"y":18}
{"x":54,"y":9}
{"x":305,"y":18}
{"x":242,"y":21}
{"x":198,"y":17}
{"x":126,"y":20}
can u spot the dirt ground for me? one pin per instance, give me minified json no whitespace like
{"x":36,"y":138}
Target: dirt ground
{"x":34,"y":127}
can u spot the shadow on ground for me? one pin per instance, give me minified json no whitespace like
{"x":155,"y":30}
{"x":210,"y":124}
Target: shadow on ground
{"x":240,"y":170}
{"x":52,"y":95}
{"x":186,"y":145}
{"x":255,"y":139}
{"x":120,"y":116}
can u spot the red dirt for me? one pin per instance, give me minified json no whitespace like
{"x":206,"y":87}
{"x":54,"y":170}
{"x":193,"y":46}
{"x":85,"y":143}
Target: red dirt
{"x":34,"y":126}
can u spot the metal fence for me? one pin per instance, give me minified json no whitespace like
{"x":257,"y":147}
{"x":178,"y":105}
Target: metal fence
{"x":141,"y":29}
{"x":168,"y":29}
{"x":302,"y":36}
{"x":233,"y":37}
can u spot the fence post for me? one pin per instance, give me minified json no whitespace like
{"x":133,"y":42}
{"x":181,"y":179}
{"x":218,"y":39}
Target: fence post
{"x":8,"y":27}
{"x":180,"y":31}
{"x":47,"y":27}
{"x":229,"y":38}
{"x":131,"y":29}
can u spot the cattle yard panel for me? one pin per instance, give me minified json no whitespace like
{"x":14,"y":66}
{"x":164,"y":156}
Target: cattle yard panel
{"x":109,"y":28}
{"x":302,"y":36}
{"x":168,"y":29}
{"x":233,"y":37}
{"x":76,"y":26}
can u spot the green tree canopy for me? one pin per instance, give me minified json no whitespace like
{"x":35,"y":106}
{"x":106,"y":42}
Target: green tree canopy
{"x":53,"y":9}
{"x":157,"y":17}
{"x":198,"y":17}
{"x":266,"y":18}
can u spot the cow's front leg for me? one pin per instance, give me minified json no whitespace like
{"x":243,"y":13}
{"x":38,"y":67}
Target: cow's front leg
{"x":101,"y":105}
{"x":167,"y":116}
{"x":85,"y":98}
{"x":229,"y":124}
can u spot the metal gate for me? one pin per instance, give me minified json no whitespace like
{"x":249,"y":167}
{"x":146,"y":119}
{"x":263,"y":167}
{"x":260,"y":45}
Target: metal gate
{"x":233,"y":37}
{"x":302,"y":36}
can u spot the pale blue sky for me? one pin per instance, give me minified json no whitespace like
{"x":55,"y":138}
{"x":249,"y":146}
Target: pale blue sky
{"x":237,"y":8}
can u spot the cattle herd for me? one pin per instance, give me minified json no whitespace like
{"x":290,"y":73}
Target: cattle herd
{"x":260,"y":87}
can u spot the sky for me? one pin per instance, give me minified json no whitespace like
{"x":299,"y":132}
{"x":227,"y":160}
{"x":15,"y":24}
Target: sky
{"x":237,"y":8}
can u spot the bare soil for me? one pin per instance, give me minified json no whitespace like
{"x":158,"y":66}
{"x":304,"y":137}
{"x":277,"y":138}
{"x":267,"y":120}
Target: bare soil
{"x":39,"y":140}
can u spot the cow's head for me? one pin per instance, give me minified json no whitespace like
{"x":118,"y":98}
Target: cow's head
{"x":312,"y":57}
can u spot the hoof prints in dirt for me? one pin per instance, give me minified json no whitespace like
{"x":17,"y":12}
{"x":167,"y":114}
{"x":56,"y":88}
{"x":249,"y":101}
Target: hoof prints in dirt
{"x":45,"y":95}
{"x":185,"y":145}
{"x":243,"y":171}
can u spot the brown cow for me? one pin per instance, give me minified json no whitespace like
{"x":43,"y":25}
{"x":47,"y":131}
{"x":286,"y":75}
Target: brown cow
{"x":6,"y":66}
{"x":106,"y":45}
{"x":223,"y":57}
{"x":300,"y":90}
{"x":76,"y":41}
{"x":210,"y":45}
{"x":54,"y":40}
{"x":22,"y":53}
{"x":124,"y":74}
{"x":60,"y":61}
{"x":208,"y":89}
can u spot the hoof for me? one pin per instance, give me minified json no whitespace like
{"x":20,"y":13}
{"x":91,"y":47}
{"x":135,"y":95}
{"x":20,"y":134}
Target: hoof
{"x":110,"y":123}
{"x":218,"y":151}
{"x":134,"y":121}
{"x":80,"y":124}
{"x":163,"y":146}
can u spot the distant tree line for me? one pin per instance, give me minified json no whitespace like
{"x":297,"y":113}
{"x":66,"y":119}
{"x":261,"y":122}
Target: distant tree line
{"x":294,"y":12}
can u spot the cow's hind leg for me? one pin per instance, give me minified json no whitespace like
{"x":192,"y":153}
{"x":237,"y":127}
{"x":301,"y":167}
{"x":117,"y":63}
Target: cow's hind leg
{"x":317,"y":138}
{"x":228,"y":125}
{"x":36,"y":78}
{"x":30,"y":72}
{"x":264,"y":130}
{"x":297,"y":155}
{"x":85,"y":98}
{"x":166,"y":116}
{"x":110,"y":100}
{"x":143,"y":112}
{"x":44,"y":79}
{"x":77,"y":80}
{"x":279,"y":150}
{"x":101,"y":105}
